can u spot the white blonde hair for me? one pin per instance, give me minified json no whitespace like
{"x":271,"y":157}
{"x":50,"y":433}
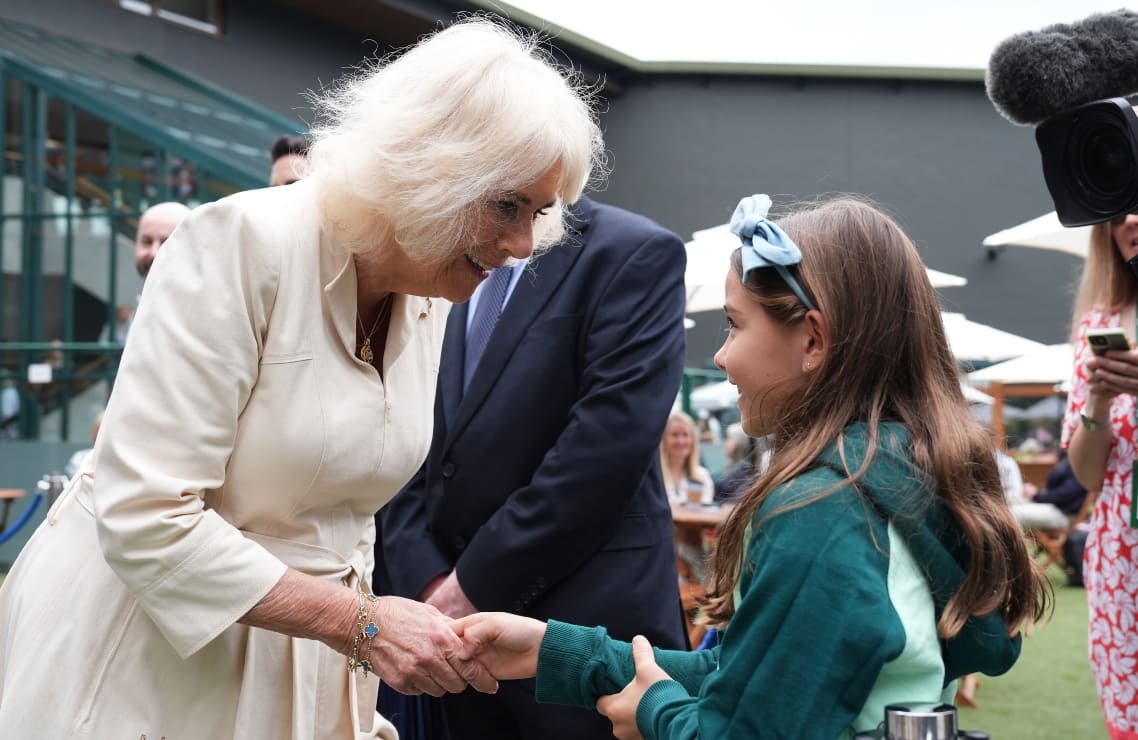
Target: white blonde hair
{"x":416,"y":146}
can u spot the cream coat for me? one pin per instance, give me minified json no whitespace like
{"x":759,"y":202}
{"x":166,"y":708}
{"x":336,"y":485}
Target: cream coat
{"x":243,"y":437}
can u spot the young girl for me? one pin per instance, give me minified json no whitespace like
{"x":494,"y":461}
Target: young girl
{"x":875,"y":561}
{"x":684,"y":478}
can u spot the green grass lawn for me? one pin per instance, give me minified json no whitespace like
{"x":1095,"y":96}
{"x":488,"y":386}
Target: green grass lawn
{"x":1050,"y":692}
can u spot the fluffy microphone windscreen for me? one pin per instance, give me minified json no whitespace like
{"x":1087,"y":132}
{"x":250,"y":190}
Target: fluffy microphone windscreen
{"x":1033,"y":75}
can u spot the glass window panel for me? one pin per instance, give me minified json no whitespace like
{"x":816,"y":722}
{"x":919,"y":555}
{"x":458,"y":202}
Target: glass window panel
{"x":214,"y":188}
{"x":92,"y":164}
{"x":207,"y":11}
{"x":12,"y":232}
{"x":139,"y":178}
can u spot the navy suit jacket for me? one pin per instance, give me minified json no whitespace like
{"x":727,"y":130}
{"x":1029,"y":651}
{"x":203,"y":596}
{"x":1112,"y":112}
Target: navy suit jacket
{"x":1063,"y":489}
{"x":542,"y":485}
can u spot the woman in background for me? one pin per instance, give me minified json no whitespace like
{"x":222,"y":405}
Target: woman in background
{"x":1099,"y":433}
{"x":684,"y":478}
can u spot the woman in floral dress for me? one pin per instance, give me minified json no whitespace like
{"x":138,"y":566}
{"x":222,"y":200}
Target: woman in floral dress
{"x":1099,"y":433}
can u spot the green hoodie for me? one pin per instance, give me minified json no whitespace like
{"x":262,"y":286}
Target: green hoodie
{"x":835,"y":615}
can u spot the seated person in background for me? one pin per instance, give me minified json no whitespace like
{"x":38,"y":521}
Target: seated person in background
{"x":709,"y":428}
{"x":1030,"y":511}
{"x":741,"y":454}
{"x":686,"y":481}
{"x":684,"y":478}
{"x":9,"y":406}
{"x":1062,"y":490}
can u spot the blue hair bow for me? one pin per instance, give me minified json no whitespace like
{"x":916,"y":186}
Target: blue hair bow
{"x":766,"y":245}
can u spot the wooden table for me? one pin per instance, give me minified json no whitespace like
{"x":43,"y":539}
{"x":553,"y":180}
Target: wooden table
{"x":7,"y":496}
{"x":687,"y":516}
{"x":1036,"y":468}
{"x":691,"y":522}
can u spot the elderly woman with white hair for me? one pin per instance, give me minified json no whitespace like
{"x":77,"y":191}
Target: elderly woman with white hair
{"x":206,"y":575}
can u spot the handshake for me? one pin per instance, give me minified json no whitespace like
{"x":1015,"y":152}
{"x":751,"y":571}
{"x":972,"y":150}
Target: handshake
{"x":486,"y":647}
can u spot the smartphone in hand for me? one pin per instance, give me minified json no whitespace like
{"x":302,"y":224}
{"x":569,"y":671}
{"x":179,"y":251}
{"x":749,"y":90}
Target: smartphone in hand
{"x":1102,"y":340}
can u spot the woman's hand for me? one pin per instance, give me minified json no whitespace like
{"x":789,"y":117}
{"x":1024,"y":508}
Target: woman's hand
{"x":621,"y":708}
{"x":417,"y":652}
{"x":1111,"y":374}
{"x":505,"y":644}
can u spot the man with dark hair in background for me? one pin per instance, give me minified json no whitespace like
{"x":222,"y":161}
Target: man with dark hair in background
{"x":289,"y":155}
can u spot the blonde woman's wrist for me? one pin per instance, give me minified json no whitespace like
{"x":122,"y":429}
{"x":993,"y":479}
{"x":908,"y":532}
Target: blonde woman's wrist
{"x":1096,"y":412}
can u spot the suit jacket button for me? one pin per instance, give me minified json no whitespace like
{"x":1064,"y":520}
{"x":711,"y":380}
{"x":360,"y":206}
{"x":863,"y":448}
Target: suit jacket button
{"x":458,"y":542}
{"x":448,"y":470}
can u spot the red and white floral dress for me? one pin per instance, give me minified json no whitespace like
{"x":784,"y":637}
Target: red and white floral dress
{"x":1110,"y":569}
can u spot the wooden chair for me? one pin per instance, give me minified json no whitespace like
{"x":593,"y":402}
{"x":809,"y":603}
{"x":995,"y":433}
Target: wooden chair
{"x":690,"y":594}
{"x":695,"y":534}
{"x":1050,"y":542}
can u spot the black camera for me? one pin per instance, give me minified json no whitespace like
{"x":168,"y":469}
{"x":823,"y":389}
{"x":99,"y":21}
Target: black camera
{"x":1090,"y":161}
{"x":920,"y":721}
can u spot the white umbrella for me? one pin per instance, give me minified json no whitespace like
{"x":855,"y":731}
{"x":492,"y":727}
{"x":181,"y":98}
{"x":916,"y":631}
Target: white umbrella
{"x":714,"y":396}
{"x":722,"y":395}
{"x":983,"y":413}
{"x":971,"y":341}
{"x":1044,"y":232}
{"x":945,"y":279}
{"x":709,"y":259}
{"x":974,"y":396}
{"x":1048,"y":365}
{"x":1046,"y":409}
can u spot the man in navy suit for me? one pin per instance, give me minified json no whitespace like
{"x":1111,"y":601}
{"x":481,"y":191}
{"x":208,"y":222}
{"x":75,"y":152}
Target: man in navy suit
{"x":542,"y":492}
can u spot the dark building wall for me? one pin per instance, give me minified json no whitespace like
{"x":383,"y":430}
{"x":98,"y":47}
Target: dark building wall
{"x":268,"y":53}
{"x":684,"y":150}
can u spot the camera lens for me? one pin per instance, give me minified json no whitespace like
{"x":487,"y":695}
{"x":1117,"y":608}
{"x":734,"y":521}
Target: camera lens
{"x":1090,"y":161}
{"x":1108,"y":166}
{"x":1101,"y":160}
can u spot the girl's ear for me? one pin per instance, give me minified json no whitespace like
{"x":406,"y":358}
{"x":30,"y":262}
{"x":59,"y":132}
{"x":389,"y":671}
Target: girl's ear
{"x":817,"y":339}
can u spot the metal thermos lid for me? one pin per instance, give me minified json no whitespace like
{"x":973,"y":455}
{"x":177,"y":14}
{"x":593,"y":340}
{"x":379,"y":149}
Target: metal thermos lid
{"x":920,"y":721}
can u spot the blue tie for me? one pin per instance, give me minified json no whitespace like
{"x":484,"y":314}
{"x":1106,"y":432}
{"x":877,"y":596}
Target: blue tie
{"x":485,"y":319}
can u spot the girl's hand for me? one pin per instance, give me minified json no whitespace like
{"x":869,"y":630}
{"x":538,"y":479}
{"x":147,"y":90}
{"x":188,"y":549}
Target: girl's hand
{"x":621,"y":708}
{"x":505,"y":644}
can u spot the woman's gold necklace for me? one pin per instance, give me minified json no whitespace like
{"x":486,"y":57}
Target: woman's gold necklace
{"x":365,"y":349}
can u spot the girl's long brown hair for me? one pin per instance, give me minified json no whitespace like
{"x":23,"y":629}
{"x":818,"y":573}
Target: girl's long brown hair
{"x":888,"y":361}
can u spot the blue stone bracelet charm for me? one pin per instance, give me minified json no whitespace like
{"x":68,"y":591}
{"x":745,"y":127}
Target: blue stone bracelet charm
{"x":366,"y":629}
